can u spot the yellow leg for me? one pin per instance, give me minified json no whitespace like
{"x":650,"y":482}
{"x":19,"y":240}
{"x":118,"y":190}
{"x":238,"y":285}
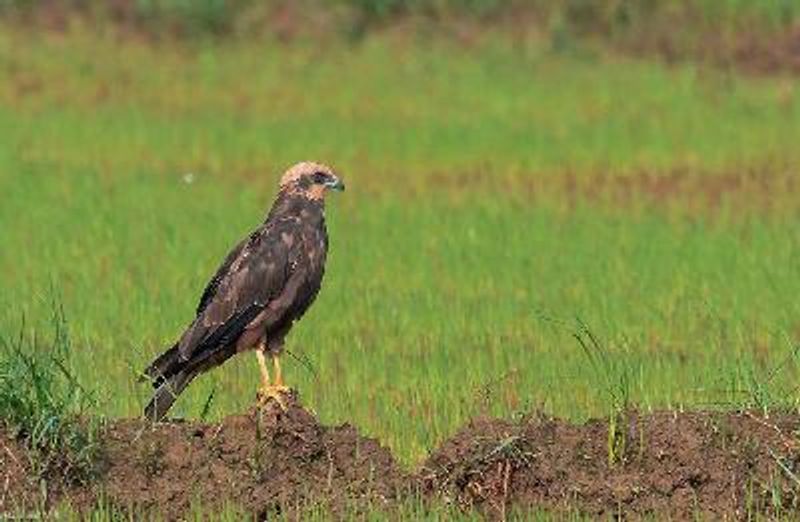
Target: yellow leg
{"x":262,"y":364}
{"x":276,"y":364}
{"x":268,"y":390}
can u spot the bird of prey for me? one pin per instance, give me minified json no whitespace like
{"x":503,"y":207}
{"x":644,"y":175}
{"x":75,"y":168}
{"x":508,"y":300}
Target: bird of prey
{"x":263,"y":286}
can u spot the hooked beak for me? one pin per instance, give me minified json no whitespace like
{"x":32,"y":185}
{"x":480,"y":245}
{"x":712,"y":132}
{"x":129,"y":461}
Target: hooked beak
{"x":335,"y":184}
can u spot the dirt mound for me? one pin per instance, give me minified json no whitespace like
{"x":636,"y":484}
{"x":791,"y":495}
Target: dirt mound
{"x":265,"y":462}
{"x":271,"y":461}
{"x":666,"y":463}
{"x":261,"y":462}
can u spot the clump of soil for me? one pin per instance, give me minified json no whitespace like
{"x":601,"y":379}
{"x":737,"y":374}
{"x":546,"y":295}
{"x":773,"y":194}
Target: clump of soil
{"x":17,"y":488}
{"x":263,"y":462}
{"x":666,"y":463}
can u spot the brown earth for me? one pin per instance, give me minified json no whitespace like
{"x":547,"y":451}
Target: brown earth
{"x":264,"y":462}
{"x":666,"y":463}
{"x":15,"y":486}
{"x":268,"y":461}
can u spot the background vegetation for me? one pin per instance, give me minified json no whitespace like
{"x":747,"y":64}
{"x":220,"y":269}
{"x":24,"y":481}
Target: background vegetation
{"x":681,"y":23}
{"x":530,"y":168}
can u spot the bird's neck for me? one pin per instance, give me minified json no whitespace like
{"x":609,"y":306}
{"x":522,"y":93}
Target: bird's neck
{"x":293,"y":204}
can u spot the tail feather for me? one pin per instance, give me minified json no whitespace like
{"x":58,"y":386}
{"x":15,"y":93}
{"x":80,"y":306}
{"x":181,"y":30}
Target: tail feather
{"x":165,"y":395}
{"x":163,"y":367}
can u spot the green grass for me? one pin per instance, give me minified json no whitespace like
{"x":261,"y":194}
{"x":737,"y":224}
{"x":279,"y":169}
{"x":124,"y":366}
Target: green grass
{"x":460,"y":258}
{"x":410,"y":509}
{"x":43,"y":404}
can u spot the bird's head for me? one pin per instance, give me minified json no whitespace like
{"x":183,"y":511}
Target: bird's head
{"x":310,"y":180}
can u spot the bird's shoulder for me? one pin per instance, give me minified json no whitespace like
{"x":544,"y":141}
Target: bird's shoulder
{"x":267,"y":240}
{"x":269,"y":255}
{"x":274,"y":232}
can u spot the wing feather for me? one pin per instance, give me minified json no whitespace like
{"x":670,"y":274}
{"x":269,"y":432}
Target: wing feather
{"x":211,"y":288}
{"x":269,"y":315}
{"x":254,"y":277}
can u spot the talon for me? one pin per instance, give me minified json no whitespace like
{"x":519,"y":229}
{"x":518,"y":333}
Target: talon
{"x":268,"y":390}
{"x":276,"y":392}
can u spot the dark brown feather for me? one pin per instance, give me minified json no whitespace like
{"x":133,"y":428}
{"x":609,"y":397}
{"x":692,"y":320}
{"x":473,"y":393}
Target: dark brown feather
{"x":211,"y":287}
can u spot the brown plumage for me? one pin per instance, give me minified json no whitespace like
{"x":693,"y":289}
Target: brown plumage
{"x":263,"y":286}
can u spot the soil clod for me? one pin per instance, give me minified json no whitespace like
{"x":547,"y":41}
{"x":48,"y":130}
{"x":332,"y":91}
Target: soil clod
{"x":668,"y":463}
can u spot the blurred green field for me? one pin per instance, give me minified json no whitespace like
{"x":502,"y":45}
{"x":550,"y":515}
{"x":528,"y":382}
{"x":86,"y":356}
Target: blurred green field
{"x":496,"y":194}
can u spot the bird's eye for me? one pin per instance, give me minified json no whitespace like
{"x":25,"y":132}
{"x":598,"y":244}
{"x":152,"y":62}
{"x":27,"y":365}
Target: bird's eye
{"x":320,"y":177}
